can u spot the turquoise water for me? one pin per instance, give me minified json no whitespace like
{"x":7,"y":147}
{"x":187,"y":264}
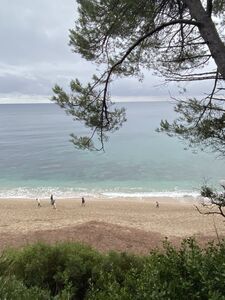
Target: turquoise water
{"x":36,"y":157}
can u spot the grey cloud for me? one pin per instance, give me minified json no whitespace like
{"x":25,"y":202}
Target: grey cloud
{"x":35,"y":30}
{"x":34,"y":53}
{"x":39,"y":78}
{"x":153,"y":87}
{"x":20,"y":85}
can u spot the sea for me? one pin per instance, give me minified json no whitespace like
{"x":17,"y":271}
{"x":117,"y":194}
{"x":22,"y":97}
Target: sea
{"x":37,"y":159}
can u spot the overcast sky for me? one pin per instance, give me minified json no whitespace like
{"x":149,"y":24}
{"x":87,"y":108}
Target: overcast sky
{"x":34,"y":55}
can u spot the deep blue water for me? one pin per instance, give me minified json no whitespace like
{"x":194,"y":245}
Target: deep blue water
{"x":36,"y":157}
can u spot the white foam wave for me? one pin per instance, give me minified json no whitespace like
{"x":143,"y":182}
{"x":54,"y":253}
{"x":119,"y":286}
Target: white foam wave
{"x":176,"y":194}
{"x":65,"y":193}
{"x":44,"y":192}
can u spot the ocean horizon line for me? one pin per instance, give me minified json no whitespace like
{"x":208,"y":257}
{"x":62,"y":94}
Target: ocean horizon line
{"x":114,"y":102}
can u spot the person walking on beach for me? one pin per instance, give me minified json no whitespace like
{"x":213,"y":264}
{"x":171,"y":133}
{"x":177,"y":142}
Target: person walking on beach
{"x":82,"y":201}
{"x":38,"y":202}
{"x":54,"y":204}
{"x":157,"y":204}
{"x":52,"y":200}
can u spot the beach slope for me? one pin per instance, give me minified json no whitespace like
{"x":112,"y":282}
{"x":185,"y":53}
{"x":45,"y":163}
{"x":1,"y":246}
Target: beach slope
{"x":123,"y":224}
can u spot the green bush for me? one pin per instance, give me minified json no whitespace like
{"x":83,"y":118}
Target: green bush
{"x":73,"y":271}
{"x":187,"y":273}
{"x":11,"y":288}
{"x":112,"y":276}
{"x":54,"y":268}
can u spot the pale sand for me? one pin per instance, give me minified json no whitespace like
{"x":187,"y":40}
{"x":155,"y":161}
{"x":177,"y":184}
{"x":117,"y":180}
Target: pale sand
{"x":174,"y":217}
{"x":131,"y":225}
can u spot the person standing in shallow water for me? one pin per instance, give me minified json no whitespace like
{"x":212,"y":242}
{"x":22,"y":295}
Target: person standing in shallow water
{"x":82,"y":201}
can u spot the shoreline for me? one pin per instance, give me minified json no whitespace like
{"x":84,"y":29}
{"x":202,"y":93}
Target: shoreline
{"x":70,"y":193}
{"x":165,"y":200}
{"x":111,"y":196}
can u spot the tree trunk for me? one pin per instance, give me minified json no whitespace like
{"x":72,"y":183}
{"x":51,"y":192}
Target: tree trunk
{"x":209,"y":33}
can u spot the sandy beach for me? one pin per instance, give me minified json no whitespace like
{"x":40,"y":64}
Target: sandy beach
{"x":122,"y":224}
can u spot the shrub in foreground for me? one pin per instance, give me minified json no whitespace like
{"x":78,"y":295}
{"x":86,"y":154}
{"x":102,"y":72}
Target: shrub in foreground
{"x":73,"y":271}
{"x":63,"y":267}
{"x":187,"y":273}
{"x":11,"y":288}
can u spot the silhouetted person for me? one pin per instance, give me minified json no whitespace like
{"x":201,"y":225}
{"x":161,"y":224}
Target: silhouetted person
{"x":82,"y":201}
{"x":53,"y":203}
{"x":157,"y":204}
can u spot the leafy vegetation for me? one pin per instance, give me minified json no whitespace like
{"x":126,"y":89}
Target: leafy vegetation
{"x":213,"y":202}
{"x":180,"y":40}
{"x":73,"y":271}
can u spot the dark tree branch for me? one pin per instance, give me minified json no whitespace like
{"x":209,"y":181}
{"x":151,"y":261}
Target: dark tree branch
{"x":208,"y":212}
{"x":210,"y":100}
{"x":209,"y":8}
{"x":172,"y":37}
{"x":140,"y":40}
{"x":194,"y":78}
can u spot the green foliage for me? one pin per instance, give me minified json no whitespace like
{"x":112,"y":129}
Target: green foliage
{"x":116,"y":21}
{"x":166,"y":36}
{"x":218,"y":6}
{"x":11,"y":288}
{"x":106,"y":30}
{"x":215,"y":200}
{"x":113,"y":279}
{"x":85,"y":105}
{"x":188,"y":273}
{"x":65,"y":267}
{"x":73,"y":271}
{"x":198,"y":124}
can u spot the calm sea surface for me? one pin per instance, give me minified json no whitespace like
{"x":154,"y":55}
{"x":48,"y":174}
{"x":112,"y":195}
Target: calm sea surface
{"x":36,"y":157}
